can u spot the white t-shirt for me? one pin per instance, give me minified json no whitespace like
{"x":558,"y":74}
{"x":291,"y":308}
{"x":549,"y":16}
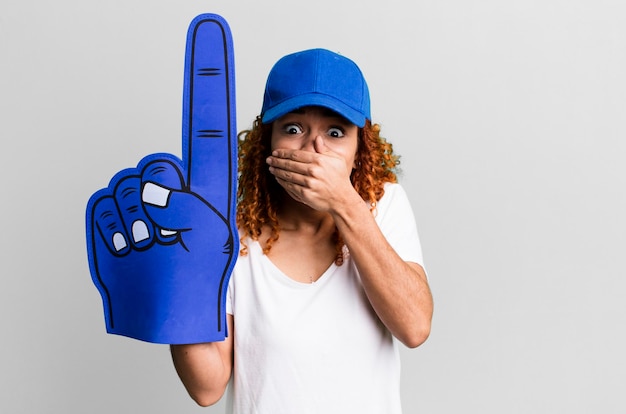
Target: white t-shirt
{"x":316,"y":348}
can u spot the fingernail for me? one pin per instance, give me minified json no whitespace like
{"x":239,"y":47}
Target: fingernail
{"x":155,"y":195}
{"x":119,"y":242}
{"x":140,"y":231}
{"x":268,"y":160}
{"x":167,"y":233}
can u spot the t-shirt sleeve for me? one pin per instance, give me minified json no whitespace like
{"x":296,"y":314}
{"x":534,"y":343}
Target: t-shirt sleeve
{"x":396,"y":220}
{"x":229,"y":296}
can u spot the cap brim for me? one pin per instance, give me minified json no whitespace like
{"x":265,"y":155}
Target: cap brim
{"x":314,"y":99}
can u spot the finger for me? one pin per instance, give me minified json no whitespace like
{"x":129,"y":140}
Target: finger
{"x":178,"y":212}
{"x":104,"y":221}
{"x":209,"y":126}
{"x":287,"y":167}
{"x":300,"y":162}
{"x":297,"y":156}
{"x":290,"y":176}
{"x":159,"y":176}
{"x":173,"y":209}
{"x":138,"y":226}
{"x":181,"y":211}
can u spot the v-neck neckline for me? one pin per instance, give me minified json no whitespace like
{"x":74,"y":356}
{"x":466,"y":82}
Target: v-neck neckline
{"x":288,"y":279}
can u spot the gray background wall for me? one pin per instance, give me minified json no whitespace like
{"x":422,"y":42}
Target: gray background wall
{"x":510,"y":116}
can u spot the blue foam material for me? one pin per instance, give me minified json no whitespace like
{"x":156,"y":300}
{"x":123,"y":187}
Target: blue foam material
{"x":161,"y":238}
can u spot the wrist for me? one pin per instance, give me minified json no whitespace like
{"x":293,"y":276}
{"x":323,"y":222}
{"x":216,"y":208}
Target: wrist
{"x":351,"y":212}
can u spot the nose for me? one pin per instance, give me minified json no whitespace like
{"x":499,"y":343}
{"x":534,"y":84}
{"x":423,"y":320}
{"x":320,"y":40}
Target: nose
{"x":308,"y":144}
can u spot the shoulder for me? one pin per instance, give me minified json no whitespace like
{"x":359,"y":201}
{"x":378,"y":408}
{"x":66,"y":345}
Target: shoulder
{"x":396,"y":219}
{"x":393,"y":188}
{"x":394,"y":210}
{"x":394,"y":195}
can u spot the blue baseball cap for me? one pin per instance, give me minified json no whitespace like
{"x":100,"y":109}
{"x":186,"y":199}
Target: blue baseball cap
{"x":316,"y":77}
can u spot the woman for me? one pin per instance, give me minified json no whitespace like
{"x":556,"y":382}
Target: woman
{"x":330,"y":269}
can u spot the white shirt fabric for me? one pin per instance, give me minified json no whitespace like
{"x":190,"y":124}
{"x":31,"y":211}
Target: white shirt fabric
{"x":316,"y":348}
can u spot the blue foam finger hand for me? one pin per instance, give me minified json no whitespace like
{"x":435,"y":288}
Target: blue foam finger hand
{"x":161,"y":238}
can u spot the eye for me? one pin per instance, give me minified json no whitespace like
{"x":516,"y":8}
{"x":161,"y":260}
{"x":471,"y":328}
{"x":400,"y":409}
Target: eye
{"x":292,"y":129}
{"x":335,"y":132}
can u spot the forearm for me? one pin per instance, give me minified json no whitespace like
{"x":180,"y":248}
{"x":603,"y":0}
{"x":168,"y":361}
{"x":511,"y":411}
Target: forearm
{"x":204,"y":369}
{"x":397,"y":290}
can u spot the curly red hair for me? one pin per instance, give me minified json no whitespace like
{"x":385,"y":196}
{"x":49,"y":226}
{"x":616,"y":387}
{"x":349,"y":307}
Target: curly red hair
{"x":258,"y":193}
